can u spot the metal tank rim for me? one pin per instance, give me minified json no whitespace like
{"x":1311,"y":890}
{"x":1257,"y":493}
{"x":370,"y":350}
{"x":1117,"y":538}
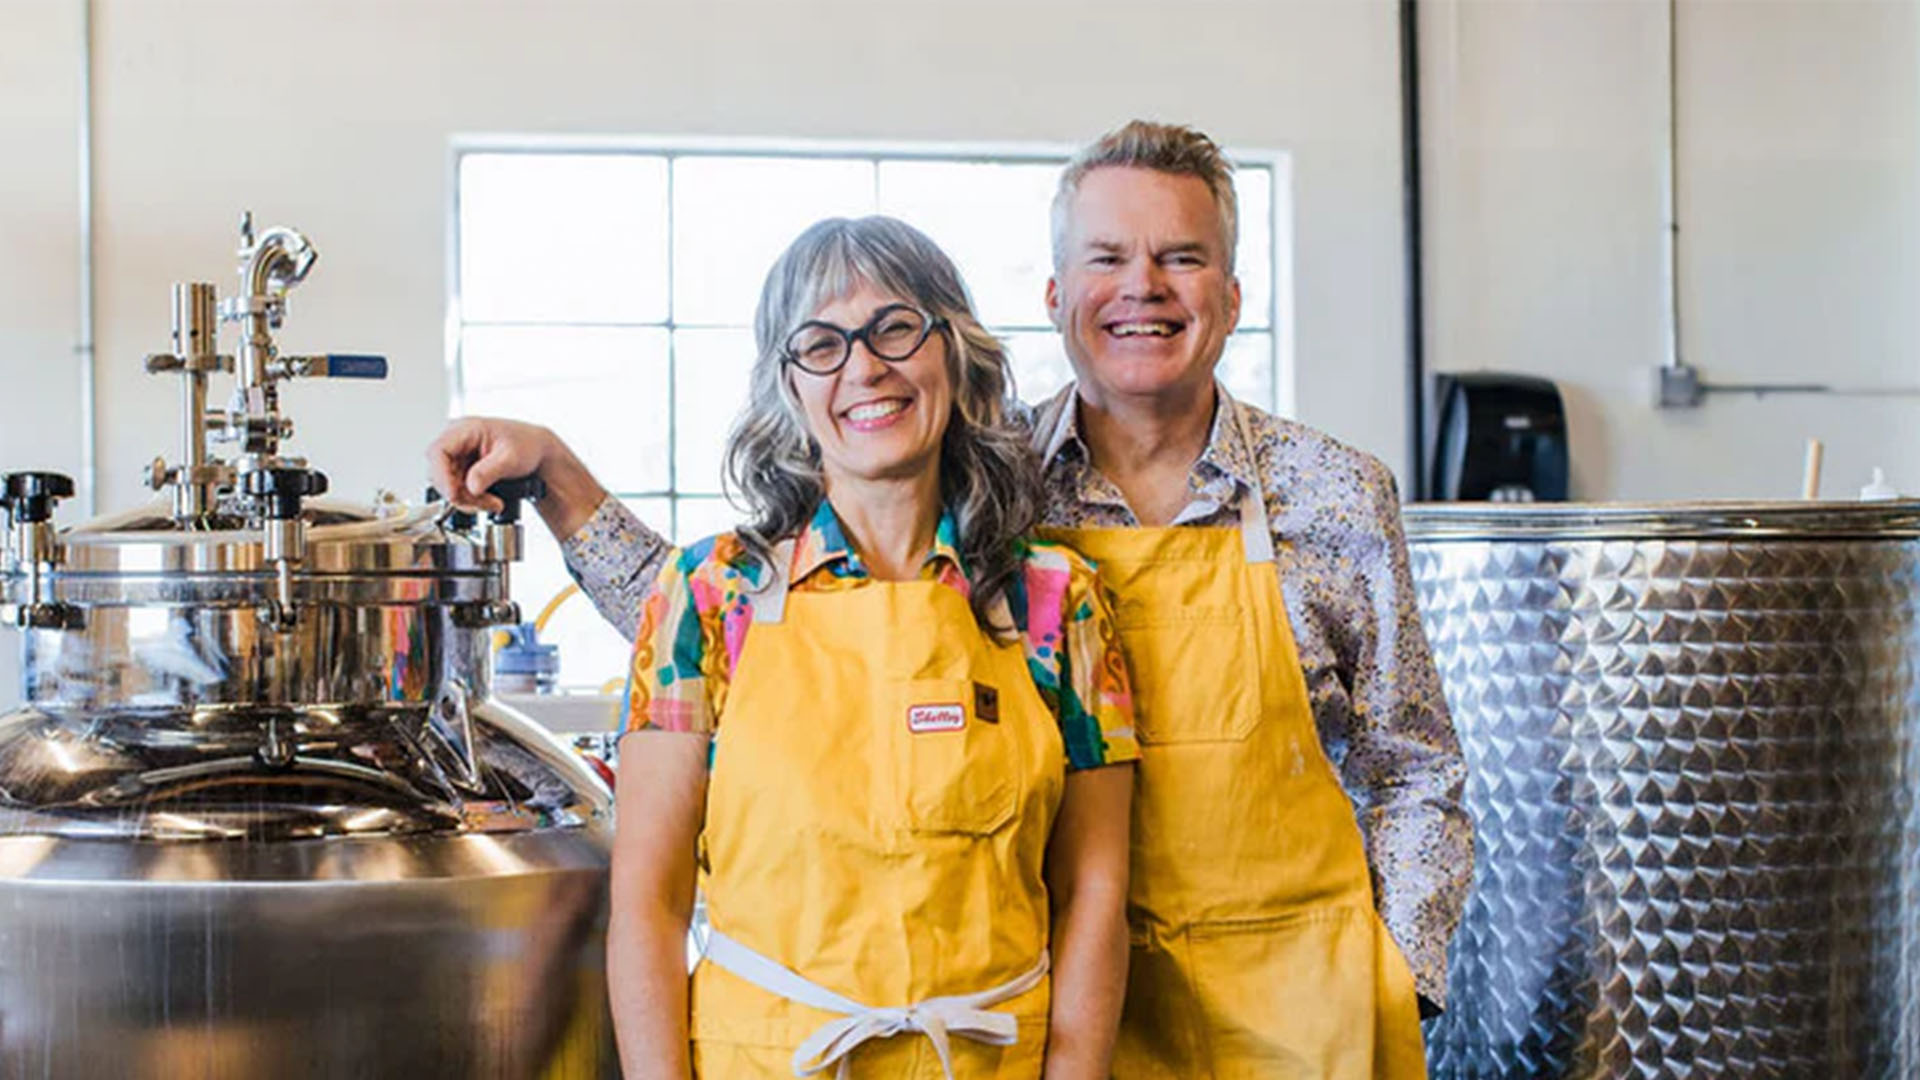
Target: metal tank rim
{"x":1697,"y":520}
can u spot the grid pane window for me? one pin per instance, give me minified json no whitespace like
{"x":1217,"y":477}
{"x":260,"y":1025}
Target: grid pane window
{"x":992,"y":218}
{"x":563,"y":238}
{"x":732,"y":216}
{"x":610,"y":294}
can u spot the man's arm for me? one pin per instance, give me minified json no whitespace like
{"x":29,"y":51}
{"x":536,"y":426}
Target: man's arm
{"x":1403,"y":763}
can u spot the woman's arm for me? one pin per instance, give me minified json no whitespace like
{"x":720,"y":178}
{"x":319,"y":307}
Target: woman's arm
{"x":662,"y":801}
{"x":612,"y":553}
{"x":474,"y":454}
{"x":1087,"y":881}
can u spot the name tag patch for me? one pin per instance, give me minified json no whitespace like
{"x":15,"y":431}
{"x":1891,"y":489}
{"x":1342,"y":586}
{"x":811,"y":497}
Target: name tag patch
{"x":925,"y":718}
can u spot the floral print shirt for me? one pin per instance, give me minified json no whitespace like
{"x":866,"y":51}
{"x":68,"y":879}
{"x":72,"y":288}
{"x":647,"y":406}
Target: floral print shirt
{"x":1342,"y":558}
{"x":695,"y":622}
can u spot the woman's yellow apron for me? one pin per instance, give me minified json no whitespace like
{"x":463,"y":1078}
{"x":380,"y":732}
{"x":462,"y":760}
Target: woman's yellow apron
{"x":885,"y":780}
{"x":1256,"y":948}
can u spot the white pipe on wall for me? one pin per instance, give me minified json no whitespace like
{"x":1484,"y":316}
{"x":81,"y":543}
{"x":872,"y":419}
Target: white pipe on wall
{"x":83,"y":342}
{"x":1670,"y":194}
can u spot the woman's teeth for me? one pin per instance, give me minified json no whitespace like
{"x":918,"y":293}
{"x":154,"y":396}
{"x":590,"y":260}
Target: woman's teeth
{"x":875,"y":410}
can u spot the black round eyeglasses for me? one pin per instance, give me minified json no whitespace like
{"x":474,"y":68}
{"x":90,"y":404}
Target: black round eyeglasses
{"x":894,"y":334}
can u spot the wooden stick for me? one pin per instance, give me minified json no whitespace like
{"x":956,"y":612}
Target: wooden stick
{"x":1810,"y":484}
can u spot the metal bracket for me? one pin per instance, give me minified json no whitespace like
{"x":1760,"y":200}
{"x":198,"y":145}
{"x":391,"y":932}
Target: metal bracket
{"x":480,"y":614}
{"x":450,"y":725}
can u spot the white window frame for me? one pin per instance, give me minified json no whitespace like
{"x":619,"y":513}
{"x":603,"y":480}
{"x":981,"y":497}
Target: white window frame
{"x":1280,"y":315}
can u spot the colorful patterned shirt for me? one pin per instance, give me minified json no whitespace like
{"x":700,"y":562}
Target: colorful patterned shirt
{"x":1342,"y":558}
{"x":696,"y":620}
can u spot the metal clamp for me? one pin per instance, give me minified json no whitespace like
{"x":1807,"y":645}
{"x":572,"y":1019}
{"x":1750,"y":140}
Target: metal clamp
{"x":279,"y":493}
{"x":33,"y":546}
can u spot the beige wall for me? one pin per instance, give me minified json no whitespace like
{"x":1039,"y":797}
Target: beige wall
{"x":39,"y":250}
{"x":1545,"y":132}
{"x":337,"y":118}
{"x":1799,"y":201}
{"x":39,"y":231}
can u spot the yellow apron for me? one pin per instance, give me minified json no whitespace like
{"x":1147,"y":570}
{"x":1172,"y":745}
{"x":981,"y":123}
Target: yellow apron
{"x":885,"y":780}
{"x":1257,"y":951}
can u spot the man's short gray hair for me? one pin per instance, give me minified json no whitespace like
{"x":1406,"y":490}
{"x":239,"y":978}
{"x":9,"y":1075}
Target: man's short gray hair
{"x":1167,"y":148}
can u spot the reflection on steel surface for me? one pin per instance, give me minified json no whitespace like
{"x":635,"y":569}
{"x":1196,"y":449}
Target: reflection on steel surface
{"x":1692,"y":761}
{"x":259,"y":815}
{"x":247,"y":892}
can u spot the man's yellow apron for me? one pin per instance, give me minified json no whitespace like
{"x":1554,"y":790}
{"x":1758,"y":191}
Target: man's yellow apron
{"x":1256,"y":948}
{"x":885,"y":780}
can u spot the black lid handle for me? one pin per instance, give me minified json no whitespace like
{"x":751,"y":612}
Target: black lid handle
{"x":511,"y":493}
{"x":283,"y":489}
{"x":30,"y":496}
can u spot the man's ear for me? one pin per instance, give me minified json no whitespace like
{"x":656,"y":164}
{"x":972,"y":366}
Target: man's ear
{"x":1053,"y":302}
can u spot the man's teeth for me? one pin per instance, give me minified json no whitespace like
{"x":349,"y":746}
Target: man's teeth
{"x":875,"y":410}
{"x":1159,"y":329}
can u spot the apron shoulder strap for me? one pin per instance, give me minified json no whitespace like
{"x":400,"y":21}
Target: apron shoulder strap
{"x":1256,"y":532}
{"x":1050,"y":423}
{"x":770,"y":600}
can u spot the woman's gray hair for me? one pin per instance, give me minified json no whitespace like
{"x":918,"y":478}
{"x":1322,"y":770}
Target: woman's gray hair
{"x":989,"y":476}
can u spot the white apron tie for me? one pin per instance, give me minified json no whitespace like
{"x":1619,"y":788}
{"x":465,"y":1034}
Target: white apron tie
{"x":833,"y":1044}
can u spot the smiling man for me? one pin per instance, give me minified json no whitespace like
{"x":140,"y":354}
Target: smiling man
{"x":1290,"y":717}
{"x":1301,"y":853}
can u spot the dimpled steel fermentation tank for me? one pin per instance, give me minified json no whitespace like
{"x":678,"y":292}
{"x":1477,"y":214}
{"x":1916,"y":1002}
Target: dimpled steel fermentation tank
{"x":259,"y":815}
{"x":1691,"y":732}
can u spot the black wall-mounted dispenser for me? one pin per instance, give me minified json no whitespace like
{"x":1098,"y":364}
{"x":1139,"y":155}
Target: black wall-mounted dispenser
{"x":1500,"y":438}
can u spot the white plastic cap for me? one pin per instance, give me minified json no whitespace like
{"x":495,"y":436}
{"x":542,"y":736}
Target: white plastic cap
{"x":1877,"y":489}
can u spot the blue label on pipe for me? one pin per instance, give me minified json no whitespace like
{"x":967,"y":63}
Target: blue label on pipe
{"x":356,"y":366}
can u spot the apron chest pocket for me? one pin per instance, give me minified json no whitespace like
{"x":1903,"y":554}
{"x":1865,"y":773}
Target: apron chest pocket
{"x":1174,"y":649}
{"x":957,"y":773}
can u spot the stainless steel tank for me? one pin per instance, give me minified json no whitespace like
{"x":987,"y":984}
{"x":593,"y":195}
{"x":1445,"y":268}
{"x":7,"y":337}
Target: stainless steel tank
{"x":1693,"y":740}
{"x":258,"y":814}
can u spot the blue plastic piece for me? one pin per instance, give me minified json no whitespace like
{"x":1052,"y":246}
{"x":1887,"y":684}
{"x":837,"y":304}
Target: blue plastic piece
{"x":526,"y":661}
{"x":356,"y":366}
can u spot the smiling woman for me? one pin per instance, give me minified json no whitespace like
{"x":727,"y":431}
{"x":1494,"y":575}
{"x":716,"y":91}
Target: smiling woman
{"x":971,"y":697}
